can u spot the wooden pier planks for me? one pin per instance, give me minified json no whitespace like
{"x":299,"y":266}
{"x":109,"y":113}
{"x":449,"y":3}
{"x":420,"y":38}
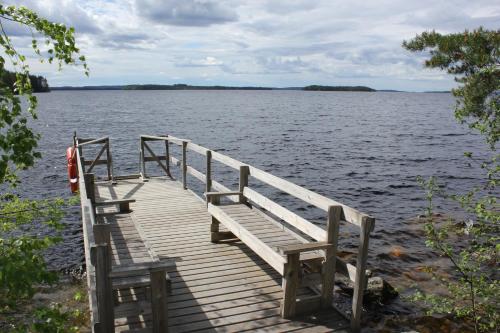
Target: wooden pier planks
{"x":221,"y":287}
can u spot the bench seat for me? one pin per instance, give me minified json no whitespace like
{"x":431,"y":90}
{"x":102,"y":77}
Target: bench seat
{"x":271,"y":233}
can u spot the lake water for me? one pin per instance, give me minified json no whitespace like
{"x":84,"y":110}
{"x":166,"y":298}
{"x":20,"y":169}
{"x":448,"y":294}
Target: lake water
{"x":362,"y":149}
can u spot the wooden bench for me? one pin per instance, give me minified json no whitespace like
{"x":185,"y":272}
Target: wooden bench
{"x":112,"y":277}
{"x":297,"y":249}
{"x":278,"y":246}
{"x":123,"y":204}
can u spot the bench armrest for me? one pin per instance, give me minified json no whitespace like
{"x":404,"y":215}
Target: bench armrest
{"x":222,"y":194}
{"x":137,"y":268}
{"x":113,"y":202}
{"x":297,"y":248}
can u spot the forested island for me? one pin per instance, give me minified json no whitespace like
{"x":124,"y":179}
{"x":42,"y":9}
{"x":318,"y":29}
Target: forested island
{"x":217,"y":87}
{"x":38,"y":83}
{"x":337,"y":88}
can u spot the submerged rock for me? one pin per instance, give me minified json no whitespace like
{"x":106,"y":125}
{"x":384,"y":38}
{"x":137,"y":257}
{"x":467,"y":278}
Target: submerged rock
{"x":379,"y":291}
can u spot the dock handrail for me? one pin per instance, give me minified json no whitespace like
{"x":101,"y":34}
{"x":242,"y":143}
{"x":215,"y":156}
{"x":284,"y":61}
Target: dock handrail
{"x":88,"y":221}
{"x":98,"y":254}
{"x":365,"y":222}
{"x":79,"y":143}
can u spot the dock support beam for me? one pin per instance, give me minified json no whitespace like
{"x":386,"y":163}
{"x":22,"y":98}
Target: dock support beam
{"x":104,"y":290}
{"x":360,"y":281}
{"x":290,"y":284}
{"x":184,"y":164}
{"x":244,"y":172}
{"x":208,"y":184}
{"x":167,"y":157}
{"x":159,"y":304}
{"x":328,"y":267}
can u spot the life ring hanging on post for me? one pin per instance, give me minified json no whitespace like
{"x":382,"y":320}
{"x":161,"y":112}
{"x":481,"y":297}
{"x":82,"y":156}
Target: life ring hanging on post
{"x":72,"y":169}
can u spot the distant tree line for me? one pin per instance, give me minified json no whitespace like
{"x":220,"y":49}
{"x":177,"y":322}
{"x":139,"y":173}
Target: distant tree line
{"x":38,"y":83}
{"x":337,"y":88}
{"x":186,"y":87}
{"x":182,"y":86}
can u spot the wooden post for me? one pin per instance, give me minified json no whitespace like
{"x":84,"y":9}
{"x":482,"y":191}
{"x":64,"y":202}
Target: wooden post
{"x":141,"y":154}
{"x":89,"y":179}
{"x":290,"y":284}
{"x":124,"y":207}
{"x":104,"y":290}
{"x":214,"y":226}
{"x":328,"y":267}
{"x":159,"y":302}
{"x":184,"y":164}
{"x":359,"y":283}
{"x":101,"y":233}
{"x":82,"y":162}
{"x":244,"y":172}
{"x":167,"y":157}
{"x":108,"y":160}
{"x":208,"y":173}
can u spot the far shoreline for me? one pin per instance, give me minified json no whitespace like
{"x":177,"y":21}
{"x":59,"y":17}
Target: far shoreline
{"x":179,"y":87}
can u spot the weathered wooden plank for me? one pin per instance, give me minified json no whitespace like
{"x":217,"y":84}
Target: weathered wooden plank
{"x":228,"y":289}
{"x":202,"y":317}
{"x":158,"y":161}
{"x":208,"y":171}
{"x":177,"y":140}
{"x":197,"y":148}
{"x":328,"y":268}
{"x":350,"y":215}
{"x":94,"y":162}
{"x":152,"y":158}
{"x":86,"y":142}
{"x":231,"y":162}
{"x":196,"y":174}
{"x":184,"y":164}
{"x":297,"y":248}
{"x":290,"y":285}
{"x":359,"y":283}
{"x":159,"y":302}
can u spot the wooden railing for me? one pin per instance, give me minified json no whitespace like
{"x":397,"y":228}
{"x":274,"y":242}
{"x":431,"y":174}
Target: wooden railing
{"x":105,"y":148}
{"x":98,"y":253}
{"x":350,"y":215}
{"x":98,"y":261}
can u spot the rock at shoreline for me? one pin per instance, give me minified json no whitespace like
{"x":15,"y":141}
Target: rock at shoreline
{"x":378,"y":291}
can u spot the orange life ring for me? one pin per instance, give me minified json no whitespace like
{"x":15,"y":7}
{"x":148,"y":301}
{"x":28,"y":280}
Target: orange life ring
{"x":72,"y":169}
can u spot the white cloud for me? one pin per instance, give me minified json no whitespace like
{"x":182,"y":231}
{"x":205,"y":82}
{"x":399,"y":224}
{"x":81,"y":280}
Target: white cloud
{"x":207,"y":61}
{"x":262,"y":43}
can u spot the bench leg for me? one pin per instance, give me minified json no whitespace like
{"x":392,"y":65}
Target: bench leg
{"x":290,"y":285}
{"x":214,"y":227}
{"x":327,"y":280}
{"x":159,"y":300}
{"x":328,"y":267}
{"x":214,"y":230}
{"x":124,"y":207}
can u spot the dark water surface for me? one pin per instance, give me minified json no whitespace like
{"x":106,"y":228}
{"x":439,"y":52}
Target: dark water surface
{"x":362,"y":149}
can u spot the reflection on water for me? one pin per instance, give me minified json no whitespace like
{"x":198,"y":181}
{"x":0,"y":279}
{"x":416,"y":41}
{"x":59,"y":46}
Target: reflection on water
{"x":363,"y":149}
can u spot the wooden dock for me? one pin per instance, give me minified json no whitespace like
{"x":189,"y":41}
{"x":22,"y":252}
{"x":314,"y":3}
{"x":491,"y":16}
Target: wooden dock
{"x":136,"y":226}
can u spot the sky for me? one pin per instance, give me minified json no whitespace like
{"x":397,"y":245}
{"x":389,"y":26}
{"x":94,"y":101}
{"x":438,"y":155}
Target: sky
{"x":274,"y":43}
